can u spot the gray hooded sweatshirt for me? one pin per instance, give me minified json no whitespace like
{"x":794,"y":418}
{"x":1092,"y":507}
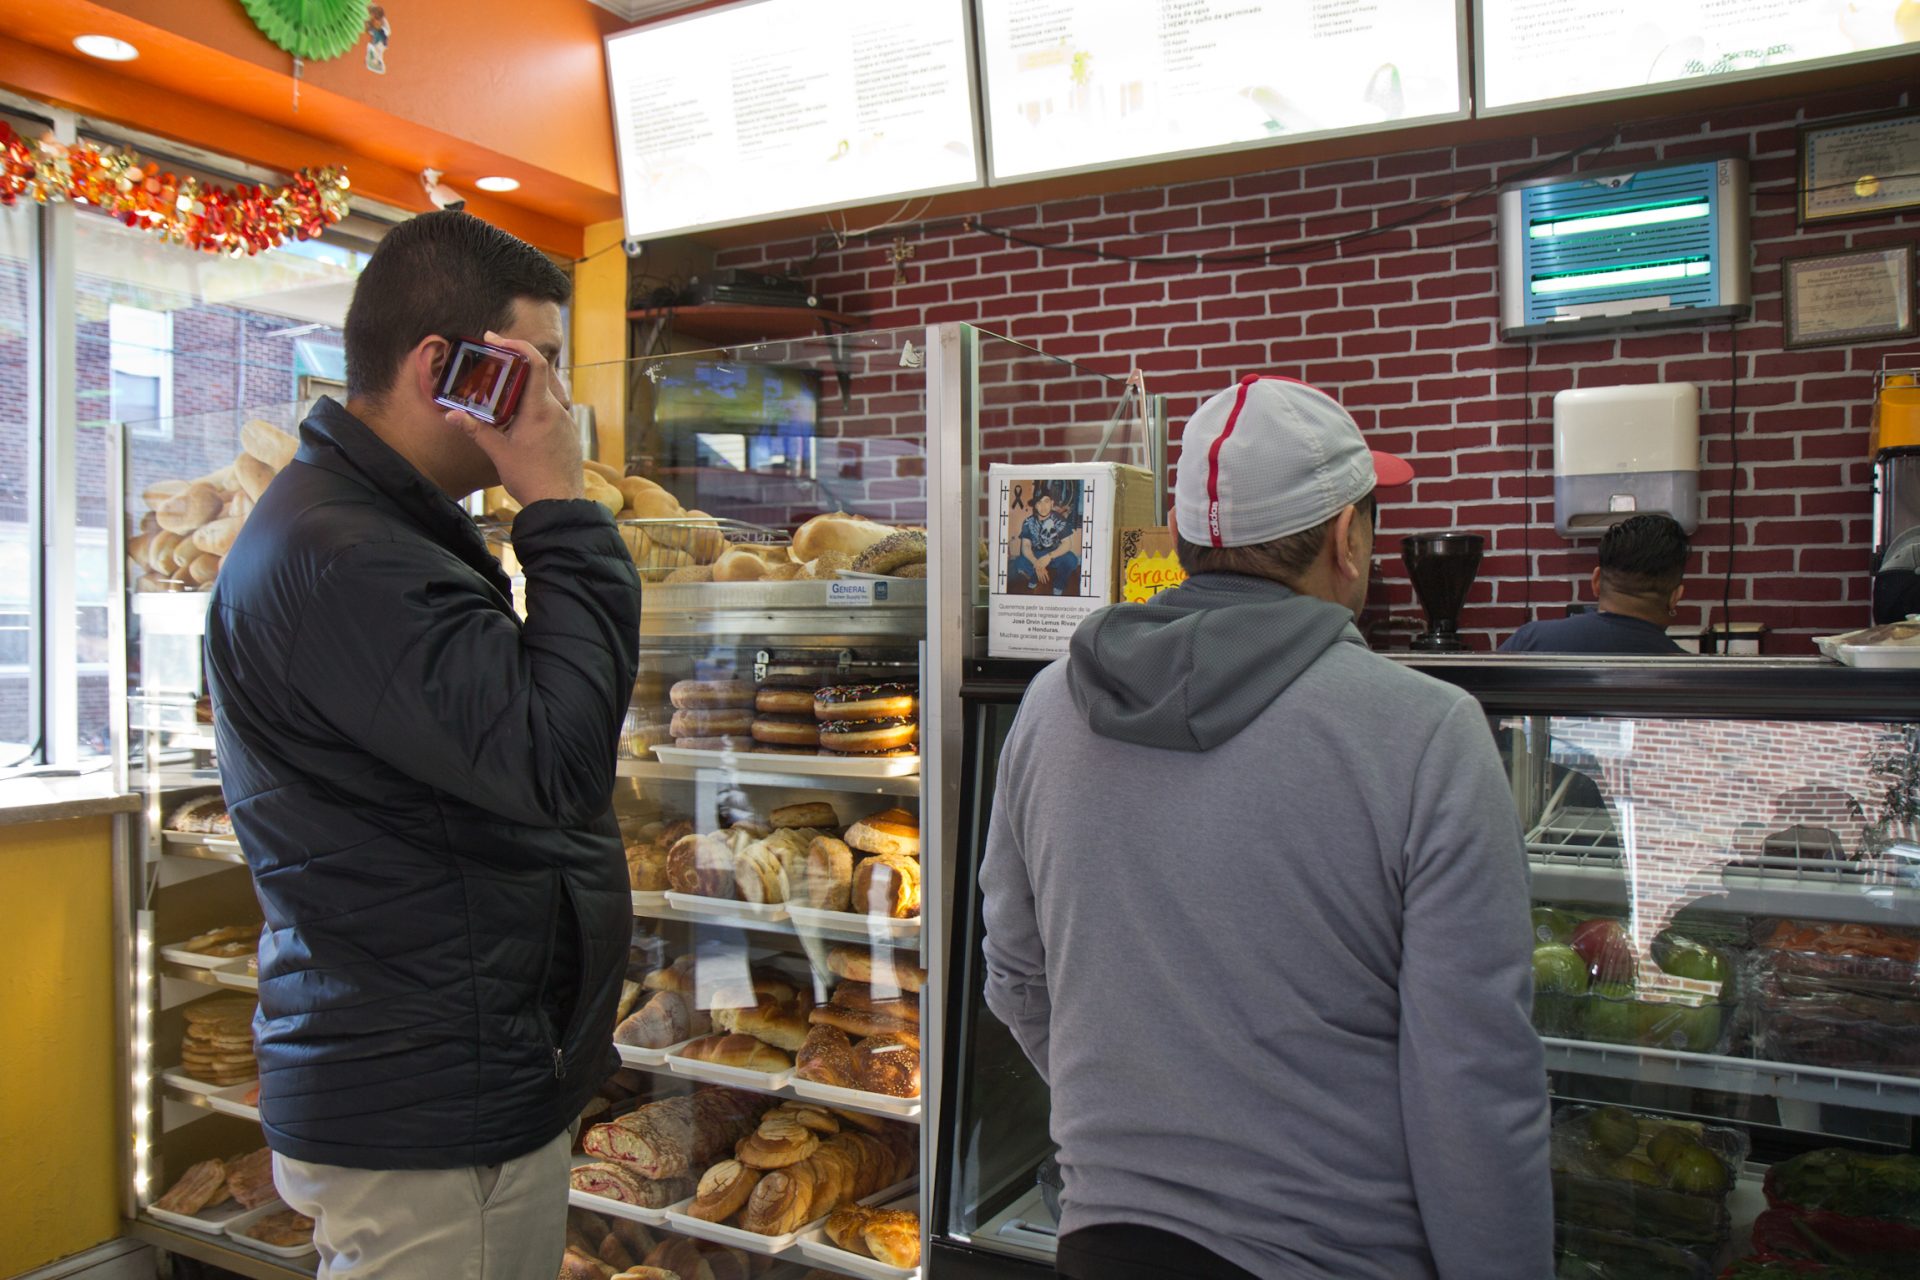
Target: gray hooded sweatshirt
{"x":1256,"y":907}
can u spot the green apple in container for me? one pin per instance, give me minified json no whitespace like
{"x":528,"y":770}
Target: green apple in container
{"x":1688,"y":1020}
{"x":1550,"y":924}
{"x":1559,"y":984}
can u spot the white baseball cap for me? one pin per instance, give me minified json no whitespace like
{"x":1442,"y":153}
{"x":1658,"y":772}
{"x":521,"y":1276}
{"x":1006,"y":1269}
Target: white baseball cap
{"x":1272,"y":456}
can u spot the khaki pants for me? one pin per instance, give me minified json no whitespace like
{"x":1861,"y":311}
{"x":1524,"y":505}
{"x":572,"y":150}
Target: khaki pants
{"x":501,"y":1222}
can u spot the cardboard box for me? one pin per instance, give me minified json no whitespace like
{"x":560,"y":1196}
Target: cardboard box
{"x":1147,"y":565}
{"x":1055,"y":552}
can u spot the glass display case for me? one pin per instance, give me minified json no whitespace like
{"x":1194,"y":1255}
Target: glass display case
{"x":1725,"y":868}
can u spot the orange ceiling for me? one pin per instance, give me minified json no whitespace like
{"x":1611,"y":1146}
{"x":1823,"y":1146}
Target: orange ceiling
{"x":473,"y":87}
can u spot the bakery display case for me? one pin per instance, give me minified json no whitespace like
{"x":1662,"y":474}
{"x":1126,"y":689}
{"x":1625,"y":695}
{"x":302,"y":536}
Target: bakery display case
{"x":1725,"y":867}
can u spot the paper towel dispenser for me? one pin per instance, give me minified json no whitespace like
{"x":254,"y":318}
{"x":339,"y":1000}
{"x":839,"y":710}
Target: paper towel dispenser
{"x":1622,"y":451}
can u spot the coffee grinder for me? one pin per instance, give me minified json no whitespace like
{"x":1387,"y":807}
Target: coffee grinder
{"x":1442,"y":566}
{"x":1895,"y":445}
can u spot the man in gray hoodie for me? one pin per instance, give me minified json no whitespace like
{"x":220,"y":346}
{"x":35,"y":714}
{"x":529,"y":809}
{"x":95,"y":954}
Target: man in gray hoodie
{"x":1256,"y":904}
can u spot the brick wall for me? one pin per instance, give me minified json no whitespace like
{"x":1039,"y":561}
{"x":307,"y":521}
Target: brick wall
{"x":1401,"y":327}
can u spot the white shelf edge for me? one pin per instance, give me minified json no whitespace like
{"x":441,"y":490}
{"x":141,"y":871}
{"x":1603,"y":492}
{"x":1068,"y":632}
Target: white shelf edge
{"x":654,"y":770}
{"x":1861,"y":1089}
{"x":786,"y":928}
{"x":785,"y":1093}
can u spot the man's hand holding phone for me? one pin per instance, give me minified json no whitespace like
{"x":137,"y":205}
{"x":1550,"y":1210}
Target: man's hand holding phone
{"x":537,"y":450}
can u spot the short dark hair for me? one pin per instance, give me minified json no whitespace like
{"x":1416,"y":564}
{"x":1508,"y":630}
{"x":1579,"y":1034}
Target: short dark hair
{"x":1643,"y":555}
{"x":1281,"y":560}
{"x":445,"y":273}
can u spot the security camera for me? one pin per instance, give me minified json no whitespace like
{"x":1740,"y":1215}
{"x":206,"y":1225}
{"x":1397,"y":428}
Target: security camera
{"x":442,"y":195}
{"x":633,"y":246}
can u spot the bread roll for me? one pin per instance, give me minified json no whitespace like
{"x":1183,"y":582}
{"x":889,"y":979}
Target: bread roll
{"x":887,"y":885}
{"x":826,"y":876}
{"x":880,"y":967}
{"x":809,"y":813}
{"x":187,"y":510}
{"x":739,"y":565}
{"x":254,"y":475}
{"x":837,"y":532}
{"x":184,"y":553}
{"x":736,"y":1051}
{"x":665,"y":1020}
{"x":826,"y":1057}
{"x":217,"y":537}
{"x":888,"y":1064}
{"x":782,"y":1203}
{"x":783,"y":1027}
{"x":892,"y":1236}
{"x":825,"y":566}
{"x":783,"y":572}
{"x":780,"y":1141}
{"x":908,"y":546}
{"x":160,"y":550}
{"x":690,"y":573}
{"x":605,"y":471}
{"x":204,"y":569}
{"x":890,"y":831}
{"x":268,"y":443}
{"x":723,"y":1191}
{"x":160,"y":490}
{"x":654,"y":504}
{"x":603,"y":493}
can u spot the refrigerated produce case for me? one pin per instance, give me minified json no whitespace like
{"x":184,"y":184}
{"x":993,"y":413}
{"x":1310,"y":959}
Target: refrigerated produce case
{"x":1737,"y":845}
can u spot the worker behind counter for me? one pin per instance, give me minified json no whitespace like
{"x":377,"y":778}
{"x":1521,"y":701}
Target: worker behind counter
{"x":1638,"y":585}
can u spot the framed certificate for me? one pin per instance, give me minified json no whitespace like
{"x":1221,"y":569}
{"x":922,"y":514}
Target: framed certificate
{"x":1865,"y":295}
{"x":1860,"y":168}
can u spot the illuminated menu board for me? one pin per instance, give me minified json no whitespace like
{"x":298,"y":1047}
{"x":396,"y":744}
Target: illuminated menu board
{"x":1086,"y":84}
{"x":1542,"y":51}
{"x":773,"y":107}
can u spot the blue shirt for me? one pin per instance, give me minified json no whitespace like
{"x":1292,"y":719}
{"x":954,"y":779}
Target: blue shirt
{"x":1046,"y":534}
{"x":1592,"y":632}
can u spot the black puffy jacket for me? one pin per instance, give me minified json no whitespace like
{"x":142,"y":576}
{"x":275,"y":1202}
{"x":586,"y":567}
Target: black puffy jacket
{"x":422,"y":786}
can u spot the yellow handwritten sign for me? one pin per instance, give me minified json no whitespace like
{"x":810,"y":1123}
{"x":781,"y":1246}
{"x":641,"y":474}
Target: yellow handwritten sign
{"x":1148,"y":575}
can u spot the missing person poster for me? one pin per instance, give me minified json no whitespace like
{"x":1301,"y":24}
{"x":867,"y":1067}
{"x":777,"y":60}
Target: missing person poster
{"x":1055,"y":538}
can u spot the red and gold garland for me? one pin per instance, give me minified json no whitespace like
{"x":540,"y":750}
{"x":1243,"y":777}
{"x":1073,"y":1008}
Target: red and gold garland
{"x":232,"y":220}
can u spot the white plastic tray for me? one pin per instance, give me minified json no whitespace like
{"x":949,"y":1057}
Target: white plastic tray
{"x":857,"y":1099}
{"x":785,"y":762}
{"x":726,"y":911}
{"x":816,"y":1247}
{"x":247,"y":1219}
{"x":720,"y":1073}
{"x":177,"y":954}
{"x":634,"y":1056}
{"x":649,"y":899}
{"x":209,"y":1221}
{"x":1902,"y":657}
{"x":753,"y":1241}
{"x":233,"y":1101}
{"x":234,"y":974}
{"x":177,"y":1077}
{"x":878,"y":928}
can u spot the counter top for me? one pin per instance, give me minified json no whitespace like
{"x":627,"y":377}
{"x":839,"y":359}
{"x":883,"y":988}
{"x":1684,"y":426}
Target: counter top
{"x":40,"y":799}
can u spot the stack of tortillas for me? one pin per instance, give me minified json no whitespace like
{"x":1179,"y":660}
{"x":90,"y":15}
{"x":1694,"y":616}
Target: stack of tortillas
{"x":218,"y":1045}
{"x":190,"y":524}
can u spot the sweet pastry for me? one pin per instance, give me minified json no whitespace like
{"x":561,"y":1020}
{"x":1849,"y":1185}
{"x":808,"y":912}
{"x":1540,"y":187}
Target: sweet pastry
{"x":646,"y":867}
{"x":665,"y":1020}
{"x":702,"y":865}
{"x":629,"y":997}
{"x":866,"y":702}
{"x":867,"y":737}
{"x":773,"y":700}
{"x":888,"y":1064}
{"x":717,"y":723}
{"x":723,"y":1191}
{"x":782,"y":1026}
{"x":200,"y":1186}
{"x":843,"y":1227}
{"x":282,"y":1230}
{"x":887,"y":885}
{"x":889,"y":831}
{"x":811,"y":1114}
{"x":878,"y":966}
{"x":892,"y":1236}
{"x":827,"y":1058}
{"x":612,"y":1180}
{"x":250,"y":1179}
{"x":782,"y":1202}
{"x":908,"y":546}
{"x":579,"y":1264}
{"x":860,"y":998}
{"x":785,"y":731}
{"x":734,"y":1050}
{"x":710,"y":695}
{"x":861,"y":1022}
{"x":230,"y":942}
{"x":812,"y":813}
{"x":758,"y":875}
{"x":826,"y":875}
{"x":677,"y":976}
{"x":838,"y":532}
{"x":667,"y":1139}
{"x":780,"y":1141}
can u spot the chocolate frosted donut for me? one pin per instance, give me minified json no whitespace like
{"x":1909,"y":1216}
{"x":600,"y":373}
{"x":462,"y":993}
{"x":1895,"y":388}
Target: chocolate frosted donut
{"x":866,"y":702}
{"x":867,"y":737}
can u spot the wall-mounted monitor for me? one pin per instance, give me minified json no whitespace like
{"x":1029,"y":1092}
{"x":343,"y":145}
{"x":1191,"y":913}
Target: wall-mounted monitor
{"x":776,"y":107}
{"x":1076,"y":85}
{"x":1534,"y":52}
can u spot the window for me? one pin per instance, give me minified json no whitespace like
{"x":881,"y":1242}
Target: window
{"x":19,"y":418}
{"x":140,"y":344}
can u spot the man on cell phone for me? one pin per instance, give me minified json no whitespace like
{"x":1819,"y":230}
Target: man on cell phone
{"x":421,"y":782}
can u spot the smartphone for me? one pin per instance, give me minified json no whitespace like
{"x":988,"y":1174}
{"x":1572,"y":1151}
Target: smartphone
{"x":484,"y":380}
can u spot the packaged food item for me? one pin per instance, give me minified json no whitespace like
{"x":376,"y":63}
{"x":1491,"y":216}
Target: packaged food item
{"x":1645,"y":1176}
{"x":1839,"y":995}
{"x":1588,"y":985}
{"x":1843,"y":1206}
{"x":1583,"y":1253}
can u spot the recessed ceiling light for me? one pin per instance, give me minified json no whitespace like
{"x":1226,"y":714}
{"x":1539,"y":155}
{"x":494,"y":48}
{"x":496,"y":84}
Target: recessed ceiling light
{"x":497,"y":184}
{"x":106,"y":48}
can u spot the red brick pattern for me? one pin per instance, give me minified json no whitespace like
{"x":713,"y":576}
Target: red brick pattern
{"x":1401,"y":327}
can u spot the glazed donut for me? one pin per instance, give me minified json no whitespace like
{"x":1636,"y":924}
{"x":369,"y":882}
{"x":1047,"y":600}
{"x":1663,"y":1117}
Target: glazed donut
{"x":866,"y":701}
{"x":730,"y":742}
{"x":709,"y":695}
{"x":711,"y":724}
{"x":786,"y":731}
{"x":776,"y":701}
{"x":866,"y":737}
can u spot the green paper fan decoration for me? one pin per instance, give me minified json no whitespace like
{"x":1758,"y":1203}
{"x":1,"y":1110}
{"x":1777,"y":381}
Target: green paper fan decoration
{"x":311,"y":29}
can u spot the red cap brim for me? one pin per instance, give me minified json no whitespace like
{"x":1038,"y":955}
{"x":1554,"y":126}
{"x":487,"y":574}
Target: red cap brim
{"x":1390,"y":472}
